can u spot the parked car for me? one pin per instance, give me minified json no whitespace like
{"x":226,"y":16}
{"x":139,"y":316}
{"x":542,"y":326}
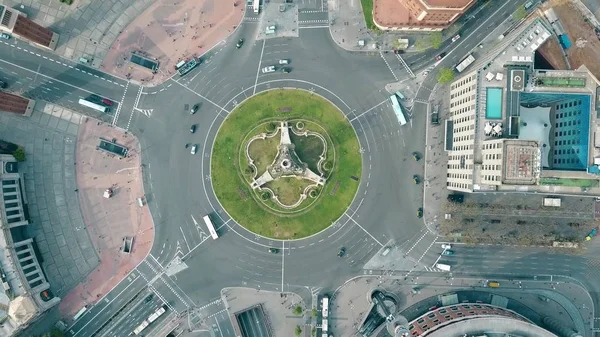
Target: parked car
{"x":398,"y":51}
{"x":440,"y":56}
{"x":240,"y":43}
{"x":4,"y":36}
{"x":194,"y":149}
{"x":273,"y":250}
{"x":286,"y":70}
{"x":446,"y":246}
{"x":268,"y":69}
{"x":107,"y":102}
{"x":420,"y":212}
{"x":284,"y":61}
{"x":455,"y":38}
{"x":416,"y":156}
{"x":448,"y":252}
{"x":2,"y":84}
{"x":193,"y":128}
{"x":416,"y":179}
{"x":149,"y":298}
{"x":195,"y":108}
{"x":342,"y":252}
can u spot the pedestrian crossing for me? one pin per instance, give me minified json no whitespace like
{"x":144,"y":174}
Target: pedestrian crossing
{"x":251,"y":19}
{"x":311,"y":11}
{"x":313,"y":21}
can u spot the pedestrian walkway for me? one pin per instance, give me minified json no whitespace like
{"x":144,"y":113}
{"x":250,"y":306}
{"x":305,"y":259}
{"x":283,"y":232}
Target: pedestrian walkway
{"x":87,"y":28}
{"x":109,"y":220}
{"x":169,"y":32}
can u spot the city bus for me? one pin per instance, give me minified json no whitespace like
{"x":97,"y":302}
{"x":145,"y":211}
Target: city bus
{"x":256,"y":6}
{"x":398,"y":110}
{"x":155,"y":315}
{"x":211,"y":227}
{"x":79,"y":313}
{"x":399,"y":94}
{"x":94,"y":106}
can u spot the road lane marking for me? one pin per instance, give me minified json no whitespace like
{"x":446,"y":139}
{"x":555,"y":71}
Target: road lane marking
{"x":203,"y":97}
{"x":106,"y":306}
{"x":282,"y":262}
{"x":114,"y":122}
{"x":137,"y":100}
{"x":184,"y":238}
{"x":368,"y":110}
{"x":388,"y":65}
{"x":259,"y":64}
{"x":361,"y":227}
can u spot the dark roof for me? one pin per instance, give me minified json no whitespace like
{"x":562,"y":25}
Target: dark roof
{"x":11,"y":167}
{"x":13,"y":103}
{"x":30,"y":30}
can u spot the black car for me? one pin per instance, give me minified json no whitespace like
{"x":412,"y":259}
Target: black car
{"x":416,"y":156}
{"x":440,"y":56}
{"x":286,"y":70}
{"x":416,"y":179}
{"x":193,"y":128}
{"x":420,"y":212}
{"x":342,"y":252}
{"x":195,"y":109}
{"x":273,"y":250}
{"x":240,"y":43}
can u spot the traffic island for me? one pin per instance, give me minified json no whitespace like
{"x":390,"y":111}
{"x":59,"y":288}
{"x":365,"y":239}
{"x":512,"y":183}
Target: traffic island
{"x":283,"y":164}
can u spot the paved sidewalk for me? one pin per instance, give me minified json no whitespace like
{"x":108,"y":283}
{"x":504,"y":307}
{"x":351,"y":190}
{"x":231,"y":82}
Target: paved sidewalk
{"x":170,"y":31}
{"x":87,"y":28}
{"x":108,"y":220}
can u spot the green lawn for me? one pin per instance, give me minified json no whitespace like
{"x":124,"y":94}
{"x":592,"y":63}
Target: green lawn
{"x":227,"y":177}
{"x":263,"y":152}
{"x":367,"y":6}
{"x":570,"y":182}
{"x":288,"y":190}
{"x":308,"y":150}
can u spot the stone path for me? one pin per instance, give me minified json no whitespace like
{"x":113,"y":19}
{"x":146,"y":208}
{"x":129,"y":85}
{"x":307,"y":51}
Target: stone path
{"x":49,"y":138}
{"x":170,"y":31}
{"x":108,"y":221}
{"x":87,"y":28}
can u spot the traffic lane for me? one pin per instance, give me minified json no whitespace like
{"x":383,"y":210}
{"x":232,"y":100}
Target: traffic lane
{"x":221,"y":325}
{"x":517,"y":260}
{"x":108,"y":305}
{"x":72,"y":75}
{"x":127,"y":323}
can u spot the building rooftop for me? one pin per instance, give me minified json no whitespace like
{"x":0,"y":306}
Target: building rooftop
{"x":15,"y":104}
{"x":418,"y":14}
{"x":30,"y":30}
{"x":521,"y":162}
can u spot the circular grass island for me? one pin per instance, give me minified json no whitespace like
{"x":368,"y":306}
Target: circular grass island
{"x":286,"y":164}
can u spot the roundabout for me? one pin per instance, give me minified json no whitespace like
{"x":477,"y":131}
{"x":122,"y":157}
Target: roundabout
{"x":286,"y":164}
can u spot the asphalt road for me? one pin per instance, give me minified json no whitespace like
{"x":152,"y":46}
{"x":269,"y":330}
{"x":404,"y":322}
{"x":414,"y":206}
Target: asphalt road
{"x":178,"y":186}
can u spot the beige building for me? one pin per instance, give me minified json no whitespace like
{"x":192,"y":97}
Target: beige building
{"x":422,"y":15}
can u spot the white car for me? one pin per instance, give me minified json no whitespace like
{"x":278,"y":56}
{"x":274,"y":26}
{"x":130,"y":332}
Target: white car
{"x":447,"y":246}
{"x":455,"y":38}
{"x":284,"y":61}
{"x":268,"y":69}
{"x":194,"y":149}
{"x":4,"y":36}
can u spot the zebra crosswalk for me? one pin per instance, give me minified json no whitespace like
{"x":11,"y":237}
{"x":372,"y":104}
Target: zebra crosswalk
{"x":251,"y":19}
{"x":313,"y":21}
{"x":311,"y":11}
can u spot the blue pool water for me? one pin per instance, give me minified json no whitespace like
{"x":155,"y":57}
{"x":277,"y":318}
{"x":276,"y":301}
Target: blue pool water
{"x":493,"y":108}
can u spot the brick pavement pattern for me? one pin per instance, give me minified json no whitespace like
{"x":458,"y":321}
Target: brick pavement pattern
{"x":109,"y":220}
{"x":171,"y":31}
{"x":56,"y":224}
{"x":87,"y":28}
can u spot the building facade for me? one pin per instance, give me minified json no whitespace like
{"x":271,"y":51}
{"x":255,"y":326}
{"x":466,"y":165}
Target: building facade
{"x":423,"y":15}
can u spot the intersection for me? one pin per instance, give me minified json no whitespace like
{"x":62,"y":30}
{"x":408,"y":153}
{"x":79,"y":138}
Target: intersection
{"x":179,"y":191}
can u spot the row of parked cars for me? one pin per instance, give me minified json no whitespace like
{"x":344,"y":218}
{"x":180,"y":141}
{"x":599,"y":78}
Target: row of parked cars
{"x":273,"y":68}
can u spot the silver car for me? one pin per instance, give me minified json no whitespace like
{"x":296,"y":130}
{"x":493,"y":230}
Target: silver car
{"x":268,"y":69}
{"x":194,"y":149}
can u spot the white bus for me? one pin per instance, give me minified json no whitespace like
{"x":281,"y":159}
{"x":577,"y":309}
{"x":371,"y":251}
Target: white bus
{"x":325,"y":305}
{"x":443,"y":267}
{"x":398,"y":110}
{"x":94,"y":106}
{"x":211,"y":227}
{"x":465,"y":63}
{"x":256,"y":6}
{"x":79,"y":313}
{"x":155,"y":315}
{"x":141,"y":327}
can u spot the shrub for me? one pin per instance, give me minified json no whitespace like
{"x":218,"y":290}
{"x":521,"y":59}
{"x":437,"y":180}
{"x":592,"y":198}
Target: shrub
{"x":19,"y":154}
{"x":68,"y":2}
{"x":298,"y":311}
{"x":297,"y":331}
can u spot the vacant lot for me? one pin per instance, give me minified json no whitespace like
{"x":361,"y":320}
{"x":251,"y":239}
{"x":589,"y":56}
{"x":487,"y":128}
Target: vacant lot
{"x":518,"y":219}
{"x":587,"y":50}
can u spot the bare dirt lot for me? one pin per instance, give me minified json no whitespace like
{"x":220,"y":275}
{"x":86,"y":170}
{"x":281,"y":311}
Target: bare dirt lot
{"x":585,"y":51}
{"x":518,"y":219}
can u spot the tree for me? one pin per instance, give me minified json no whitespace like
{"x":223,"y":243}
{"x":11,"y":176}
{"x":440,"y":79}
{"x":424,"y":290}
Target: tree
{"x":297,"y":331}
{"x":445,"y":75}
{"x":435,"y":39}
{"x":19,"y":154}
{"x":298,"y":310}
{"x":314,"y":312}
{"x":422,"y":44}
{"x":520,"y":13}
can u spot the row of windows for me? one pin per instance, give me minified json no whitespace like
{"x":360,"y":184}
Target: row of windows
{"x":463,"y":138}
{"x":566,"y":151}
{"x":493,"y":156}
{"x":465,"y":99}
{"x":568,"y":105}
{"x":459,"y":185}
{"x":566,"y":160}
{"x":459,"y":157}
{"x":463,"y":110}
{"x":567,"y":133}
{"x":463,"y":119}
{"x":490,"y":167}
{"x":574,"y":141}
{"x":487,"y":146}
{"x":459,"y":176}
{"x":462,"y":147}
{"x":463,"y":91}
{"x":569,"y":123}
{"x":463,"y":81}
{"x":458,"y":167}
{"x":491,"y":178}
{"x":567,"y":114}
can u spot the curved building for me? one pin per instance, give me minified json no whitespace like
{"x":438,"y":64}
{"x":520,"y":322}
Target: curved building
{"x":474,"y":320}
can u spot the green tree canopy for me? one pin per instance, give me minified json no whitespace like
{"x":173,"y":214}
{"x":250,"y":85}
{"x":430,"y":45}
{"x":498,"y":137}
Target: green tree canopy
{"x":445,"y":75}
{"x":297,"y":331}
{"x":436,"y":40}
{"x":520,"y":13}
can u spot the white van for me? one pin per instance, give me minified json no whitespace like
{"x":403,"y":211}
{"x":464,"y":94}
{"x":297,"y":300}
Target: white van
{"x":443,"y":267}
{"x":446,"y":246}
